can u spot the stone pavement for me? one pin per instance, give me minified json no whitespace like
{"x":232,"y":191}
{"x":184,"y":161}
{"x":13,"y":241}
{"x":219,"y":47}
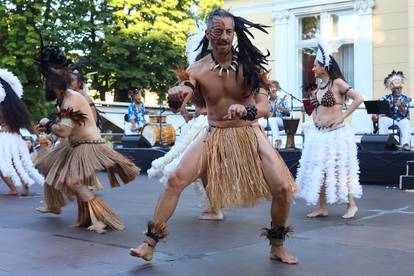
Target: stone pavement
{"x":380,"y":241}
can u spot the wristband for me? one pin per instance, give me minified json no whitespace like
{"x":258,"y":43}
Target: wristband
{"x":189,"y":84}
{"x":251,"y":113}
{"x":49,"y":125}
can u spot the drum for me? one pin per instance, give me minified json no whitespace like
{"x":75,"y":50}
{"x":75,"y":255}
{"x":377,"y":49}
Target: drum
{"x":159,"y":134}
{"x":291,"y":126}
{"x":307,"y":104}
{"x":157,"y":119}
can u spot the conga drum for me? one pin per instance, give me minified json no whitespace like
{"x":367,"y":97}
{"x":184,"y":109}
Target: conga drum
{"x":159,"y":134}
{"x":291,"y":126}
{"x":158,"y":119}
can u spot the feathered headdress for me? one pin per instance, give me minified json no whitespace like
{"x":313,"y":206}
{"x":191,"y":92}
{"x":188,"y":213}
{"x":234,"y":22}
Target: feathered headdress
{"x":323,"y":55}
{"x":49,"y":57}
{"x":192,"y":48}
{"x":393,"y":76}
{"x":8,"y":78}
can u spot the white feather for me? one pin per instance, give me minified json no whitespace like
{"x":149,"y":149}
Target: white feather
{"x":324,"y":58}
{"x":192,"y":44}
{"x":332,"y":155}
{"x":15,"y":160}
{"x":14,"y":83}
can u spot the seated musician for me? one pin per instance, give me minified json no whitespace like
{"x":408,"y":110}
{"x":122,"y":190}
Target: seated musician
{"x":278,"y":109}
{"x":399,"y":104}
{"x":136,"y":111}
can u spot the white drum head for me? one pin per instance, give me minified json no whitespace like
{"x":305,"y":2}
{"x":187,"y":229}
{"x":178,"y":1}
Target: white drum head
{"x":149,"y":133}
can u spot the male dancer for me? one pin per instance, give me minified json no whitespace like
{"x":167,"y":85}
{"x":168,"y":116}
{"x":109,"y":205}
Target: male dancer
{"x":70,"y":166}
{"x":235,"y":156}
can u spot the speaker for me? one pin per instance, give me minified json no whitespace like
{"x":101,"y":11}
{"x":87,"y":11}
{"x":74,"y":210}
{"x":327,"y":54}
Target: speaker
{"x":374,"y":142}
{"x":135,"y":141}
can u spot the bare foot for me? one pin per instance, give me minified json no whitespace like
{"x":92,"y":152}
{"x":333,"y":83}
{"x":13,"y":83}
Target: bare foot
{"x":143,"y":251}
{"x":12,"y":193}
{"x":280,"y":253}
{"x":98,"y":227}
{"x":45,"y":210}
{"x":210,"y":215}
{"x":25,"y":191}
{"x":321,"y":212}
{"x":350,"y":212}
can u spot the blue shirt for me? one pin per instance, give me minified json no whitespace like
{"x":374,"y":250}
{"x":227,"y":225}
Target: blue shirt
{"x":136,"y":113}
{"x":396,"y":114}
{"x":283,"y":103}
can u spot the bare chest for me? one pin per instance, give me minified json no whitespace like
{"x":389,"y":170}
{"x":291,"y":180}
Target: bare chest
{"x":214,"y":87}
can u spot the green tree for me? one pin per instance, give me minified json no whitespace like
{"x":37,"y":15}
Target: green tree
{"x":130,"y":43}
{"x":144,"y":45}
{"x":18,"y":43}
{"x":204,"y":7}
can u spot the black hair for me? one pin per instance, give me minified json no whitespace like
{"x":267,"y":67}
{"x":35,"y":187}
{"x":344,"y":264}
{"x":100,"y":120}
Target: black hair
{"x":79,"y":78}
{"x":14,"y":110}
{"x":56,"y":79}
{"x":249,"y":57}
{"x":334,"y":71}
{"x":53,"y":65}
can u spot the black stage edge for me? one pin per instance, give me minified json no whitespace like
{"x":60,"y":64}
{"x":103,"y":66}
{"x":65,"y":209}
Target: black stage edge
{"x":376,"y":167}
{"x":142,"y":157}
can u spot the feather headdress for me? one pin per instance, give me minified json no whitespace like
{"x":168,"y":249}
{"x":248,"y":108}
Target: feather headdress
{"x":393,"y":76}
{"x":8,"y":78}
{"x":323,"y":55}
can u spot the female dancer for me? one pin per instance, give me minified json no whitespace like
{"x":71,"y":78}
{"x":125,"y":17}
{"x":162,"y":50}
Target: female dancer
{"x":328,"y":169}
{"x":16,"y":167}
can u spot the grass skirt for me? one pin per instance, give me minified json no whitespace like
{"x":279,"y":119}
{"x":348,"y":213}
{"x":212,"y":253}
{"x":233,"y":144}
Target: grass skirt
{"x":83,"y":162}
{"x":234,"y":169}
{"x":328,"y":156}
{"x":16,"y":162}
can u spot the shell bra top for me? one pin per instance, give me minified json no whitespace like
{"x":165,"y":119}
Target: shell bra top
{"x":327,"y":100}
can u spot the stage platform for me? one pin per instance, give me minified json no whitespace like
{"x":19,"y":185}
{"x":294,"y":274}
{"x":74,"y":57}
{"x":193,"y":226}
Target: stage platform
{"x":378,"y":242}
{"x":376,"y":167}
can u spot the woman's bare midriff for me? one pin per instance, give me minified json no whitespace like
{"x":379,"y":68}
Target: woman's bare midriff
{"x":324,"y":115}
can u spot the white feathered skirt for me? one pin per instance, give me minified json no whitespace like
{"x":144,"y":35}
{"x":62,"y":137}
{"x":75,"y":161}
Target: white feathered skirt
{"x":16,"y":162}
{"x":164,"y":166}
{"x":330,"y":157}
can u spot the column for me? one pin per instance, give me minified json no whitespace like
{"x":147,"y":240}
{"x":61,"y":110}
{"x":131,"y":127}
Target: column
{"x":363,"y":61}
{"x":280,"y":71}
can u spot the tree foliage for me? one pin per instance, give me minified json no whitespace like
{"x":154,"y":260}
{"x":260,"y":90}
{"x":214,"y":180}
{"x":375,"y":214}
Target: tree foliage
{"x":129,"y":43}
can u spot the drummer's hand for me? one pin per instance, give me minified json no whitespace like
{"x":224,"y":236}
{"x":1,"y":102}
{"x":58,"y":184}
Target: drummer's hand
{"x":41,"y":126}
{"x":178,"y":93}
{"x":235,"y":112}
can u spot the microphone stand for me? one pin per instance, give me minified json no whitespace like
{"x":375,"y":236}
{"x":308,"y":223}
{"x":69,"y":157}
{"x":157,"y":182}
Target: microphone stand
{"x":162,"y":110}
{"x":293,"y":97}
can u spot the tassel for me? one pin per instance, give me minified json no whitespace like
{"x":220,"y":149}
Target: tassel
{"x":181,"y":74}
{"x":156,"y":231}
{"x":105,"y":214}
{"x":84,"y":219}
{"x":276,"y":234}
{"x":53,"y":198}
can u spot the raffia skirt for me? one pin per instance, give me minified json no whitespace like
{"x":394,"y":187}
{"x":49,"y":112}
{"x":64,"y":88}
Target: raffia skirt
{"x":81,"y":161}
{"x":234,"y":169}
{"x":16,"y":162}
{"x":330,"y":157}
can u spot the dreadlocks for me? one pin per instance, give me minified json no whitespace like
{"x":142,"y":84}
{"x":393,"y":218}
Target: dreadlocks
{"x":248,"y":56}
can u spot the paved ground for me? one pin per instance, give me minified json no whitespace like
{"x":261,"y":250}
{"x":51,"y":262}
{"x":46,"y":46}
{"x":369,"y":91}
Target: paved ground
{"x":380,"y":241}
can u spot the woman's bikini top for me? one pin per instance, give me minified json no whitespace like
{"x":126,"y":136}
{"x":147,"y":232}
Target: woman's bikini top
{"x":328,"y":99}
